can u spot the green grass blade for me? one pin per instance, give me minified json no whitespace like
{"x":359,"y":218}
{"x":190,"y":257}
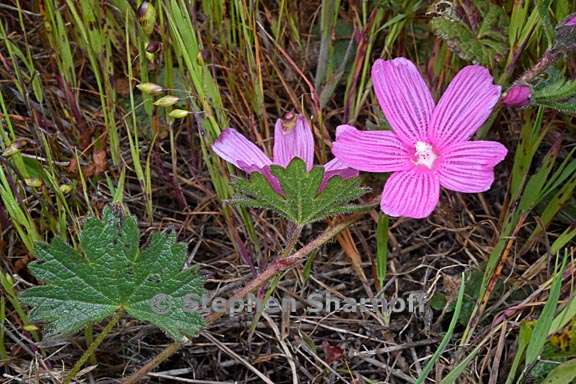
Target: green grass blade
{"x":447,"y":336}
{"x":546,"y":318}
{"x":381,"y":248}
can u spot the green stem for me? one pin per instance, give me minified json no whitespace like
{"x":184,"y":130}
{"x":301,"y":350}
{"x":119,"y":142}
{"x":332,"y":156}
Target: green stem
{"x":92,"y":348}
{"x":89,"y":335}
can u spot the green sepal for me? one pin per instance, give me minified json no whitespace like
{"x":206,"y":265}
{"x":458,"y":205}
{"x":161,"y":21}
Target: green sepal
{"x":302,"y":202}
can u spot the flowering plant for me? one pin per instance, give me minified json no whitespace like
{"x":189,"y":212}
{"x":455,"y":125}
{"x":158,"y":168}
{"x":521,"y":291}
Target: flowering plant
{"x":290,"y":184}
{"x":429,"y":144}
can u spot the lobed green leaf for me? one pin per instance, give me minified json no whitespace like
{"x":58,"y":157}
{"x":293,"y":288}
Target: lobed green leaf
{"x":302,"y":201}
{"x":111,"y":272}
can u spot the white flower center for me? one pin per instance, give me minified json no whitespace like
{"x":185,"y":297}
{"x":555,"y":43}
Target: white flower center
{"x":424,"y":155}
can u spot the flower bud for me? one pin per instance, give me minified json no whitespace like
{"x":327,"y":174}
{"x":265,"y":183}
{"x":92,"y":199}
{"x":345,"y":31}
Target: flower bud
{"x":141,"y":12}
{"x":15,"y":147}
{"x":150,"y":88}
{"x":33,"y":182}
{"x":65,"y":188}
{"x":30,"y":328}
{"x":147,"y":17}
{"x":166,"y":101}
{"x":517,"y":96}
{"x":11,"y":150}
{"x":153,"y":46}
{"x":179,"y":113}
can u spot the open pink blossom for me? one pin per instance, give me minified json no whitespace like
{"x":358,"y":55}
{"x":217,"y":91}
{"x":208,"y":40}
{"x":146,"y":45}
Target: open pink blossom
{"x":429,"y":145}
{"x":292,"y":138}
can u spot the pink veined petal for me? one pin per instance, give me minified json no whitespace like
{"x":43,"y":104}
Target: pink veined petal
{"x":273,"y":180}
{"x":293,"y":139}
{"x":337,"y":168}
{"x":413,"y":193}
{"x":371,"y":151}
{"x":469,"y":166}
{"x":464,"y":106}
{"x":235,"y":148}
{"x":404,"y":97}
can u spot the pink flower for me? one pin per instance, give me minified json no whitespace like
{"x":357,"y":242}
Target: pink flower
{"x":428,"y":146}
{"x":570,"y":20}
{"x":292,"y":138}
{"x":517,"y":96}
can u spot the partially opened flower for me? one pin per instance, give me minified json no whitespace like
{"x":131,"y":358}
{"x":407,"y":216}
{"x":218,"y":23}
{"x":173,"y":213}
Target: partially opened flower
{"x":429,"y":145}
{"x":292,"y":138}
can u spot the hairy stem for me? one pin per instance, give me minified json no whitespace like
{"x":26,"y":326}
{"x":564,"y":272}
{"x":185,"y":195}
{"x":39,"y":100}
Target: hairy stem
{"x":293,"y":237}
{"x":92,"y":348}
{"x":281,"y":264}
{"x":549,"y":58}
{"x":89,"y":335}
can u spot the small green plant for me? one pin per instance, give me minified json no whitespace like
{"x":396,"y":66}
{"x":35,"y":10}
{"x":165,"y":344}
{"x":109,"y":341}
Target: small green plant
{"x":304,"y":200}
{"x":480,"y":37}
{"x":556,"y":92}
{"x":111,"y":275}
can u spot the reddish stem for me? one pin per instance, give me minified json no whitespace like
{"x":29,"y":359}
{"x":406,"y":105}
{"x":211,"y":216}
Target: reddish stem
{"x":277,"y":266}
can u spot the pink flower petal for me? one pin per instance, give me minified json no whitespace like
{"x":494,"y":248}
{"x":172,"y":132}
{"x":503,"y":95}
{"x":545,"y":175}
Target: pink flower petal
{"x":235,"y":148}
{"x":464,"y":107}
{"x":337,"y":168}
{"x":293,"y":138}
{"x":404,"y":98}
{"x":412,"y":193}
{"x":371,"y":151}
{"x":468,"y":166}
{"x":273,"y":180}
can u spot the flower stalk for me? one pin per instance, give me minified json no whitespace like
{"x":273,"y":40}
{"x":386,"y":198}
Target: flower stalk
{"x":280,"y":265}
{"x":93,"y":346}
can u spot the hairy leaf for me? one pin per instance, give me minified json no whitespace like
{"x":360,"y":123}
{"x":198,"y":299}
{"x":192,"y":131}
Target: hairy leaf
{"x":302,"y":201}
{"x":554,"y":91}
{"x":111,"y":273}
{"x":476,"y":33}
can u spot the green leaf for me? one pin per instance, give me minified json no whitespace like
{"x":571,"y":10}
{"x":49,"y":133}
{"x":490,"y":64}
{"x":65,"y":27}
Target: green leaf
{"x":453,"y":375}
{"x":111,"y":272}
{"x":568,"y":314}
{"x":302,"y":201}
{"x":524,"y":335}
{"x":542,"y":327}
{"x":564,"y":373}
{"x":543,"y":10}
{"x":554,"y":90}
{"x":381,"y":248}
{"x":484,"y":43}
{"x":566,"y":107}
{"x":447,"y":336}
